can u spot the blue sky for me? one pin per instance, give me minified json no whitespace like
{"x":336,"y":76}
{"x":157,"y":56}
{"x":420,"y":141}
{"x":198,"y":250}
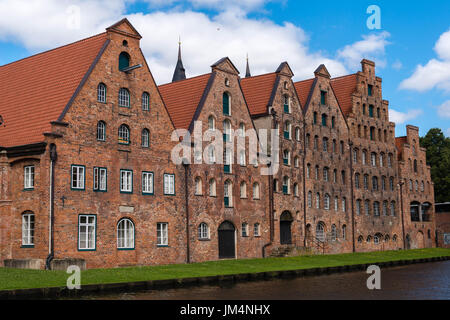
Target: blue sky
{"x":412,"y":49}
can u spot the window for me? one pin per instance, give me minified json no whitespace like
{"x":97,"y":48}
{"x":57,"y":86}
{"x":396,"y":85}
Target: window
{"x":124,"y":134}
{"x":28,"y":229}
{"x":390,"y":161}
{"x":162,"y":234}
{"x":86,"y":232}
{"x":308,"y":171}
{"x":226,"y":104}
{"x":336,"y":204}
{"x":343,"y":177}
{"x":287,"y":130}
{"x":391,"y":183}
{"x":316,"y":142}
{"x":376,"y":209}
{"x":256,"y":229}
{"x":147,"y":182}
{"x":323,"y":97}
{"x":344,"y":232}
{"x":358,"y":207}
{"x":256,"y":191}
{"x":296,"y":162}
{"x":198,"y":186}
{"x":308,"y":136}
{"x":333,"y":122}
{"x":212,"y":188}
{"x":275,"y":185}
{"x":372,"y":133}
{"x":355,"y":156}
{"x":367,"y":207}
{"x":364,"y":157}
{"x":360,"y":239}
{"x":373,"y":157}
{"x":242,"y":160}
{"x":101,"y":93}
{"x":357,"y":183}
{"x":335,"y":176}
{"x":385,"y":208}
{"x":286,"y":185}
{"x":309,"y":199}
{"x":126,"y":181}
{"x":342,"y":147}
{"x":317,"y":173}
{"x":145,"y":137}
{"x":374,"y":183}
{"x":124,"y":61}
{"x":145,"y":101}
{"x":287,"y":157}
{"x":371,"y":111}
{"x":320,"y":232}
{"x":245,"y":229}
{"x":296,"y":190}
{"x":326,"y":202}
{"x":315,"y":118}
{"x":366,"y":182}
{"x":124,"y":98}
{"x":317,"y":200}
{"x":376,"y":239}
{"x":333,"y":233}
{"x":286,"y":104}
{"x":169,"y":184}
{"x":211,"y":123}
{"x":125,"y":234}
{"x":325,"y":144}
{"x":227,"y":161}
{"x":297,"y":134}
{"x":227,"y":131}
{"x":325,"y":174}
{"x":382,"y":160}
{"x":370,"y":90}
{"x":228,"y":196}
{"x":203,"y":231}
{"x":344,"y":205}
{"x":101,"y":131}
{"x":324,"y":120}
{"x":28,"y":181}
{"x":100,"y":178}
{"x":243,"y":189}
{"x":78,"y":177}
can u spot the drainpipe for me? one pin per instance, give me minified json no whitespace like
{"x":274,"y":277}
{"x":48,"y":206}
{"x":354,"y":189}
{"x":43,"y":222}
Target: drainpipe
{"x":401,"y":183}
{"x":304,"y":183}
{"x":186,"y":192}
{"x":51,"y":251}
{"x":352,"y":196}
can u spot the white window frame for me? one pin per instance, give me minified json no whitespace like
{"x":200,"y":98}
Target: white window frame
{"x":203,"y":231}
{"x":28,"y":223}
{"x":101,"y":93}
{"x":126,"y":181}
{"x":162,"y":234}
{"x":257,"y":230}
{"x":245,"y":229}
{"x":145,"y":101}
{"x":147,"y":182}
{"x":124,"y":98}
{"x":169,"y":184}
{"x":28,"y":177}
{"x":125,"y":234}
{"x":80,"y":172}
{"x":101,"y":131}
{"x":100,"y":179}
{"x":91,"y":231}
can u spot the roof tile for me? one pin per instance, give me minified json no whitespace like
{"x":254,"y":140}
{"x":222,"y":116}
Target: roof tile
{"x":257,"y":91}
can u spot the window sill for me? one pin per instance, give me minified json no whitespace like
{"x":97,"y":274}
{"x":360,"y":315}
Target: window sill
{"x":27,"y":246}
{"x":162,"y":246}
{"x":28,"y":189}
{"x":125,"y":249}
{"x":148,"y":194}
{"x":204,"y":240}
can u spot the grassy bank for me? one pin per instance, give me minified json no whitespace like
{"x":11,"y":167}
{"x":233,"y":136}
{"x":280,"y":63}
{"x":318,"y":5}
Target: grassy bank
{"x":25,"y":279}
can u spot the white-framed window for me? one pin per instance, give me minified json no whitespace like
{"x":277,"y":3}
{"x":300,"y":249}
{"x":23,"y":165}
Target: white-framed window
{"x":287,"y":157}
{"x":256,"y":191}
{"x":198,"y":186}
{"x":296,"y":162}
{"x":126,"y":181}
{"x":326,"y":202}
{"x":145,"y":101}
{"x":317,"y":200}
{"x":86,"y":232}
{"x":245,"y":229}
{"x":28,"y":229}
{"x":333,"y":233}
{"x":344,"y":204}
{"x":147,"y":182}
{"x":203,"y":231}
{"x":125,"y":234}
{"x":309,"y":199}
{"x":373,"y":158}
{"x":297,"y":134}
{"x":145,"y":138}
{"x":211,"y":123}
{"x":228,"y":194}
{"x":169,"y":184}
{"x":101,"y":93}
{"x":101,"y":131}
{"x":78,"y":177}
{"x":325,"y":174}
{"x":100,"y":178}
{"x":28,"y":181}
{"x":257,"y":230}
{"x":162,"y":233}
{"x":124,"y":134}
{"x":336,"y":204}
{"x":364,"y":157}
{"x":212,"y":188}
{"x":344,"y":232}
{"x":296,"y":190}
{"x":124,"y":98}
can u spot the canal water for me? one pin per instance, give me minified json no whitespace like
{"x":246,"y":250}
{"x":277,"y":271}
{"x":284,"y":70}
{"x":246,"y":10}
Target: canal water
{"x":418,"y":281}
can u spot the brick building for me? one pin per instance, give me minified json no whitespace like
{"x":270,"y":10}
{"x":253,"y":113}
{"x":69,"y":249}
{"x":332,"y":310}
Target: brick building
{"x":443,"y":225}
{"x":93,"y":164}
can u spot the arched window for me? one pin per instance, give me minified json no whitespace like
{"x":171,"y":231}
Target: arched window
{"x":317,"y":173}
{"x":375,"y":183}
{"x":385,"y":208}
{"x":369,"y":239}
{"x":373,"y":157}
{"x":324,"y":120}
{"x":286,"y":103}
{"x":376,"y":209}
{"x":124,"y":134}
{"x":316,"y":142}
{"x":326,"y":202}
{"x":336,"y":204}
{"x":145,"y":101}
{"x":367,"y":207}
{"x":124,"y":98}
{"x":125,"y":234}
{"x":28,"y":228}
{"x":198,"y":186}
{"x":391,"y":183}
{"x":358,"y":207}
{"x":366,"y":182}
{"x":287,"y":130}
{"x":415,"y":166}
{"x":308,"y":137}
{"x":355,"y":155}
{"x":325,"y":174}
{"x":422,"y":186}
{"x":296,"y":162}
{"x":212,"y":188}
{"x":325,"y":144}
{"x":393,"y":208}
{"x":101,"y":131}
{"x":243,"y":189}
{"x":344,"y":204}
{"x":357,"y":182}
{"x":360,"y":239}
{"x":309,"y":199}
{"x":211,"y":123}
{"x":101,"y":93}
{"x":145,"y":138}
{"x":344,"y":232}
{"x":382,"y":160}
{"x":377,"y":238}
{"x":317,"y":200}
{"x":203,"y":231}
{"x":286,"y":185}
{"x":333,"y":233}
{"x":394,"y":238}
{"x":226,"y":104}
{"x":296,"y":190}
{"x":308,"y":170}
{"x":320,"y":232}
{"x":256,"y":191}
{"x":226,"y":131}
{"x":297,"y":133}
{"x":228,"y":194}
{"x":364,"y":157}
{"x":287,"y":157}
{"x":343,"y":177}
{"x":124,"y":61}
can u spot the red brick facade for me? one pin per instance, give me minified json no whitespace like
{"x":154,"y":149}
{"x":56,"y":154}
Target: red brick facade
{"x":316,"y":198}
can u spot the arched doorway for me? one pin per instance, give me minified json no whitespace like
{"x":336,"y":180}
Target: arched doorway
{"x":408,"y":242}
{"x":420,"y":240}
{"x":227,"y":240}
{"x":285,"y":228}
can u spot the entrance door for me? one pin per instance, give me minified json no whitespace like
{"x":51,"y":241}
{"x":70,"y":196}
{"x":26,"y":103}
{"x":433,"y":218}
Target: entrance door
{"x":227,"y":240}
{"x":285,"y":228}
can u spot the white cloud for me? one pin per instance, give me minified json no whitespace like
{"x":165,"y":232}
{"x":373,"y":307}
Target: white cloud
{"x":397,"y":65}
{"x":371,"y":47}
{"x":444,"y":109}
{"x":402,"y":117}
{"x":205,"y":38}
{"x":436,"y":73}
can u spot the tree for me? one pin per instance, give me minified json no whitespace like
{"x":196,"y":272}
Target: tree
{"x":438,"y":157}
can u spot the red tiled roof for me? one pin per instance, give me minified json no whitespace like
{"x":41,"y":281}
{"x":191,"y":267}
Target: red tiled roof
{"x":303,"y":88}
{"x":182,"y":99}
{"x":257,"y":91}
{"x":343,"y":88}
{"x":34,"y":91}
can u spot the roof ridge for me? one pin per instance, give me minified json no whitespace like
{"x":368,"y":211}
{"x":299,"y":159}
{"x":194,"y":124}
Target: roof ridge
{"x":50,"y":50}
{"x":259,"y":75}
{"x":184,"y":80}
{"x":348,"y":75}
{"x":301,"y":81}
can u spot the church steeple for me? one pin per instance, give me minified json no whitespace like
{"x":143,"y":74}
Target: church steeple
{"x":179,"y":73}
{"x":247,"y":71}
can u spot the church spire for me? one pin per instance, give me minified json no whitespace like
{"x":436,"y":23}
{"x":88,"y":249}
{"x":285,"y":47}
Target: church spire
{"x":179,"y":73}
{"x":247,"y":71}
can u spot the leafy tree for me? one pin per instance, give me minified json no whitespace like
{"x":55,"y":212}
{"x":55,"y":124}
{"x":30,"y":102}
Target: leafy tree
{"x":438,"y":157}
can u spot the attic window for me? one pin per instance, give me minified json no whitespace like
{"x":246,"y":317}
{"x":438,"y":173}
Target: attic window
{"x":227,"y":82}
{"x":124,"y":61}
{"x":125,"y":43}
{"x":285,"y":85}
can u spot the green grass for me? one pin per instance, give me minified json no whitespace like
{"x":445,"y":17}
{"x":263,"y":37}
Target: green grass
{"x":25,"y":279}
